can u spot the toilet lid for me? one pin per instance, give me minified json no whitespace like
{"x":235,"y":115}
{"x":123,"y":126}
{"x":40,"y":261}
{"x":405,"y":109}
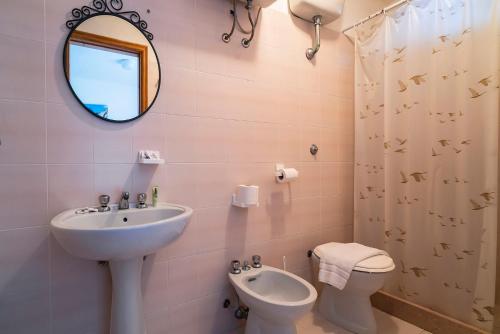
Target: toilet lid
{"x":374,"y":264}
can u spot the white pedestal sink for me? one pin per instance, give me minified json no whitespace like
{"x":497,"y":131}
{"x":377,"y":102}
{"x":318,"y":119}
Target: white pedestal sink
{"x":121,"y":237}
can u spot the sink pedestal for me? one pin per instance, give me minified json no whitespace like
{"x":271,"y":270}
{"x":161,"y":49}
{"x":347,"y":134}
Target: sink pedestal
{"x":126,"y":306}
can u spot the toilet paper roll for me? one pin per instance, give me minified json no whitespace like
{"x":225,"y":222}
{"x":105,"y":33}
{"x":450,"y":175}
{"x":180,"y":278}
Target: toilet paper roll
{"x":287,"y":174}
{"x":246,"y":195}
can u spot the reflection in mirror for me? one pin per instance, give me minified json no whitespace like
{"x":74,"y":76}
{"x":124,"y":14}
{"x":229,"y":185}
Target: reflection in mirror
{"x":112,"y":68}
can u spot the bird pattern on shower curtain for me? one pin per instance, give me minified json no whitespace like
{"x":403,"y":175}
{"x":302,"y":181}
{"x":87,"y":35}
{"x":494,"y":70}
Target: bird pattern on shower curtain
{"x":426,"y":158}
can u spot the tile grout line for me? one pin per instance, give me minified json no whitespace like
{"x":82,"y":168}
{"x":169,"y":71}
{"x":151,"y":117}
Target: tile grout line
{"x":49,"y":243}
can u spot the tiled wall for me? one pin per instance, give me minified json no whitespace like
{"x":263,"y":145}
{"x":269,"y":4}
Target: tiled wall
{"x":497,"y":285}
{"x":224,"y":116}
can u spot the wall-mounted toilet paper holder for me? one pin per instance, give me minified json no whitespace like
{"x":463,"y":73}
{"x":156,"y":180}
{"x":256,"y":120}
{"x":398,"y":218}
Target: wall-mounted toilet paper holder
{"x":283,"y":174}
{"x":246,"y":196}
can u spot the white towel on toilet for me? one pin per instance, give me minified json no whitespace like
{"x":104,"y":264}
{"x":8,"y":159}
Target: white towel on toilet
{"x":336,"y":265}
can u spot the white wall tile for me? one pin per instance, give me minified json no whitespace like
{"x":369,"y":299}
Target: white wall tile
{"x":22,"y":19}
{"x":70,"y":186}
{"x":69,"y":135}
{"x":24,"y":281}
{"x":23,"y":69}
{"x":23,"y":196}
{"x":26,"y":145}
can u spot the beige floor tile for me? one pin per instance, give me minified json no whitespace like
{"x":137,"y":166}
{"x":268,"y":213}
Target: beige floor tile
{"x":313,"y":323}
{"x":388,"y":324}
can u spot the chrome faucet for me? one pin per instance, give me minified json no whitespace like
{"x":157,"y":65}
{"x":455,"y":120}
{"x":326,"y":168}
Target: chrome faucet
{"x":245,"y":266}
{"x":103,"y":201}
{"x":256,"y":261}
{"x":235,"y":267}
{"x":141,"y":201}
{"x":123,"y":205}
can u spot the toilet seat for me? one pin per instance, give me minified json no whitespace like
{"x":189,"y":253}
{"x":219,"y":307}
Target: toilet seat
{"x":374,"y":264}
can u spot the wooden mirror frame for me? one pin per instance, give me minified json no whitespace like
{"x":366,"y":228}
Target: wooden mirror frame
{"x":115,"y":44}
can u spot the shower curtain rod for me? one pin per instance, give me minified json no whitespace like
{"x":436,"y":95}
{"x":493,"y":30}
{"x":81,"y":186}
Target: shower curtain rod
{"x":382,"y":11}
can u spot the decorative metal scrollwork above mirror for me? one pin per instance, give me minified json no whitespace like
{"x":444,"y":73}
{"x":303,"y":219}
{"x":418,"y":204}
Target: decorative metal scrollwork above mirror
{"x":109,"y":61}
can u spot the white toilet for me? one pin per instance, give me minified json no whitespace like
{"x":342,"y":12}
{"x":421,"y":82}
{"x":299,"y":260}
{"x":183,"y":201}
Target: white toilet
{"x":351,"y":308}
{"x":276,"y":299}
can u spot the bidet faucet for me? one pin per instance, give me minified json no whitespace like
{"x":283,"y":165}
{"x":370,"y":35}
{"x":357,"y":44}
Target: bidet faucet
{"x":256,"y":261}
{"x":123,"y":204}
{"x":235,"y":267}
{"x":245,"y":266}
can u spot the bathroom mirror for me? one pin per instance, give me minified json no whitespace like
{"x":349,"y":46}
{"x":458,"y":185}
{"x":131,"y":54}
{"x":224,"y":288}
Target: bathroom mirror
{"x":109,"y":61}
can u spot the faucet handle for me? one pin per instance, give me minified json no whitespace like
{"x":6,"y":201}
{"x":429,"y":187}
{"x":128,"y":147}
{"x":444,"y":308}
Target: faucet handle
{"x":141,"y":201}
{"x":141,"y":197}
{"x":245,"y":266}
{"x":104,"y":201}
{"x":125,"y":195}
{"x":235,"y":267}
{"x":256,"y":261}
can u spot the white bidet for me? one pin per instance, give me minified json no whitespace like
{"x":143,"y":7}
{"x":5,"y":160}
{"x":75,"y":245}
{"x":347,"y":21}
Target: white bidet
{"x":276,"y":299}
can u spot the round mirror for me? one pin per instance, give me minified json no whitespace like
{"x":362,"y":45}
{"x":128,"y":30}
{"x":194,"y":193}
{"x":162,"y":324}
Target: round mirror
{"x":112,"y":68}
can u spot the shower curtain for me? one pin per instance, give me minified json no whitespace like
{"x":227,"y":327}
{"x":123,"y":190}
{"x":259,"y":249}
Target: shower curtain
{"x":426,"y":157}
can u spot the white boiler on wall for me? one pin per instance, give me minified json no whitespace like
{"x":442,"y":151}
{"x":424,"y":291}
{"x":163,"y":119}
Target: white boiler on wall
{"x":317,"y":12}
{"x":329,"y":10}
{"x":259,"y":3}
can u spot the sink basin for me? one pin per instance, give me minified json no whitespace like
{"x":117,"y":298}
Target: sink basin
{"x":119,"y":234}
{"x":123,"y":238}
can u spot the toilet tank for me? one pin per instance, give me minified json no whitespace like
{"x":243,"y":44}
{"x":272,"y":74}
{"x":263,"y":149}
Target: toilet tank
{"x":307,"y":9}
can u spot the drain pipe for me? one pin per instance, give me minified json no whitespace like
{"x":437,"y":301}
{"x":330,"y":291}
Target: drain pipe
{"x":240,"y":311}
{"x":312,"y":51}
